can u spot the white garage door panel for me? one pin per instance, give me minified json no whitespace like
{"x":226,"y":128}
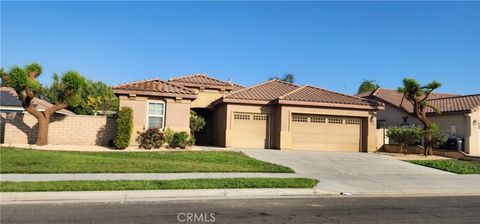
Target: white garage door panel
{"x":324,"y":133}
{"x":250,"y":130}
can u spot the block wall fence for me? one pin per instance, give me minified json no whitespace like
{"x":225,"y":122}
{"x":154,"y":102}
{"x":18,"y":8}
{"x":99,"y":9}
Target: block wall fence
{"x":21,"y":128}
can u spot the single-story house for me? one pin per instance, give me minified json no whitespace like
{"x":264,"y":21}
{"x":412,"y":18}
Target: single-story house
{"x":459,"y":114}
{"x":273,"y":114}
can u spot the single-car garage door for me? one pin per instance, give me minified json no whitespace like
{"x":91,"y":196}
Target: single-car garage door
{"x":326,"y":133}
{"x":250,"y":130}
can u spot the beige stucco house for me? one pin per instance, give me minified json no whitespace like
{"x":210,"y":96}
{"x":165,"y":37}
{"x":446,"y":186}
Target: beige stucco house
{"x":459,"y":115}
{"x":273,"y":114}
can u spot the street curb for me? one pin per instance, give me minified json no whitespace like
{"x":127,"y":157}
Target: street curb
{"x":203,"y":194}
{"x":155,"y":195}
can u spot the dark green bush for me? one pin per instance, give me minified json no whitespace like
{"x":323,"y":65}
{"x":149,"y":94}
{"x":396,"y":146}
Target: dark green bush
{"x":181,"y":140}
{"x":124,"y":128}
{"x":150,"y":138}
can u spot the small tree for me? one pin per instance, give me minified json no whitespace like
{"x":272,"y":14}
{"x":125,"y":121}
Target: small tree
{"x":197,"y":123}
{"x":287,"y":77}
{"x":405,"y":136}
{"x":24,"y":82}
{"x":418,"y":95}
{"x":367,"y":86}
{"x":98,"y":97}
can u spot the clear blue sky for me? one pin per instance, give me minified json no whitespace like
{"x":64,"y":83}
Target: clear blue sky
{"x":333,"y":45}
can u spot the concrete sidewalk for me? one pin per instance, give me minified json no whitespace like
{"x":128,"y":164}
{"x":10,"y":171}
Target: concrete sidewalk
{"x":138,"y":176}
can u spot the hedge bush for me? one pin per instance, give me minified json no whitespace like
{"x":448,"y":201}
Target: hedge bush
{"x":168,"y":136}
{"x":182,"y":140}
{"x":150,"y":138}
{"x":124,"y":128}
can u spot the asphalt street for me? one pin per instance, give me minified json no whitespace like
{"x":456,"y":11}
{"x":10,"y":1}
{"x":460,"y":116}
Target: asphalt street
{"x":345,"y":209}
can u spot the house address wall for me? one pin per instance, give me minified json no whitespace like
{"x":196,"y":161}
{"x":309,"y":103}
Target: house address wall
{"x":21,"y":128}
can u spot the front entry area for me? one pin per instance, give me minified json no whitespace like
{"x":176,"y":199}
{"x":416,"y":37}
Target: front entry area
{"x":251,"y":130}
{"x":326,"y":133}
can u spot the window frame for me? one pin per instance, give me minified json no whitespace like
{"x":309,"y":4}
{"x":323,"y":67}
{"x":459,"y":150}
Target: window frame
{"x":162,"y":116}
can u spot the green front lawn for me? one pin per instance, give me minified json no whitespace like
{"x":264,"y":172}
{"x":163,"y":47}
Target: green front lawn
{"x":451,"y":165}
{"x":14,"y":160}
{"x":221,"y":183}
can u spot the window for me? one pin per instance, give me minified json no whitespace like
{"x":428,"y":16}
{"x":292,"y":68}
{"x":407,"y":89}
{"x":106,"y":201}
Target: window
{"x":156,"y":114}
{"x":352,"y":121}
{"x":297,"y":118}
{"x":315,"y":119}
{"x":241,"y":116}
{"x":335,"y":120}
{"x":381,"y":124}
{"x":405,"y":120}
{"x":259,"y":117}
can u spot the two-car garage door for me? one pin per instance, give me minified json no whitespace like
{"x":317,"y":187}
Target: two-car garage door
{"x":326,"y":133}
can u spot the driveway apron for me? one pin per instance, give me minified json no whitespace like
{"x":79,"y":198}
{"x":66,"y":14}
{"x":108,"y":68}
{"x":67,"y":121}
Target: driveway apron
{"x":369,"y":173}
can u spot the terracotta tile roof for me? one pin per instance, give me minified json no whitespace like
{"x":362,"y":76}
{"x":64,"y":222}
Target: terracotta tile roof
{"x":394,"y":98}
{"x":266,"y":91}
{"x":9,"y":101}
{"x":237,"y":87}
{"x":456,"y":103}
{"x":203,"y":80}
{"x":154,"y":87}
{"x":279,"y":92}
{"x":318,"y":95}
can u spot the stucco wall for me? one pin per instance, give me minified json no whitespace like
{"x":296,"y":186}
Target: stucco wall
{"x":21,"y":128}
{"x":205,"y":97}
{"x":177,"y":113}
{"x":393,"y":116}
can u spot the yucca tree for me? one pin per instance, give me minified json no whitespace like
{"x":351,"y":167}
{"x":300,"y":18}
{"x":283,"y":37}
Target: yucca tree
{"x":24,"y":81}
{"x":418,"y":96}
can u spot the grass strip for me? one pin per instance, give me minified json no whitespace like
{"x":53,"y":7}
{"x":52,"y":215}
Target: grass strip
{"x":15,"y":160}
{"x":220,"y":183}
{"x":451,"y":165}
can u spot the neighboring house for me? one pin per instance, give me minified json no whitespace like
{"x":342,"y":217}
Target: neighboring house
{"x":10,"y":105}
{"x":273,"y":114}
{"x":9,"y":102}
{"x":459,"y":115}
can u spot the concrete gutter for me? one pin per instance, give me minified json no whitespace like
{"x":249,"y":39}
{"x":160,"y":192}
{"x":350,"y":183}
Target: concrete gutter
{"x":205,"y":194}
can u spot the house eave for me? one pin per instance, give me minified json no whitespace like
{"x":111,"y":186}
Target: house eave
{"x":333,"y":105}
{"x":159,"y":94}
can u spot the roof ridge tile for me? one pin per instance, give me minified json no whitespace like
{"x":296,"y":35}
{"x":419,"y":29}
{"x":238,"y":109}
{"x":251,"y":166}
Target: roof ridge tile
{"x":293,"y":91}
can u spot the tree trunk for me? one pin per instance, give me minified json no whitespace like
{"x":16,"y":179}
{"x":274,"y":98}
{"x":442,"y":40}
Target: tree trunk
{"x":42,"y":133}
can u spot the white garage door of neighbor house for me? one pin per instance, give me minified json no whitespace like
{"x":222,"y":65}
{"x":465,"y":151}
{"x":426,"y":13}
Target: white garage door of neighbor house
{"x":326,"y":133}
{"x":250,"y":130}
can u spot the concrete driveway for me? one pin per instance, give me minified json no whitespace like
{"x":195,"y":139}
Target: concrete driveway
{"x":369,"y":173}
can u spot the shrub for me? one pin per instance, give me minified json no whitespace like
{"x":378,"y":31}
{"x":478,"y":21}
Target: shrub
{"x":197,"y":123}
{"x":168,"y":136}
{"x":439,"y":137}
{"x":405,"y":136}
{"x":124,"y":128}
{"x":182,"y":140}
{"x":150,"y":138}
